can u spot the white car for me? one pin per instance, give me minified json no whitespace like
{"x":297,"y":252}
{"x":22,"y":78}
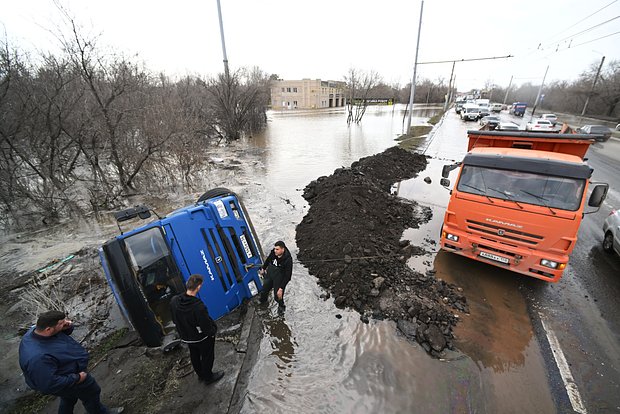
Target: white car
{"x":611,"y":230}
{"x":550,"y":117}
{"x":507,"y":126}
{"x":540,"y":125}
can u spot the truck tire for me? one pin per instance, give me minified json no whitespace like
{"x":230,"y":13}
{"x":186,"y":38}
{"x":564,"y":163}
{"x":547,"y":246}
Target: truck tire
{"x":214,"y":192}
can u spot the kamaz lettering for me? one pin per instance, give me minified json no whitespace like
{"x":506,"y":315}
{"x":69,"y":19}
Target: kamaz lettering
{"x":204,"y":259}
{"x":503,"y":223}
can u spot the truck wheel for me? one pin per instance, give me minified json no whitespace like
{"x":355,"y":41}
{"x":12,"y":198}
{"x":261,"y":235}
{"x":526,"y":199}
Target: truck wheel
{"x":214,"y":192}
{"x":608,"y":242}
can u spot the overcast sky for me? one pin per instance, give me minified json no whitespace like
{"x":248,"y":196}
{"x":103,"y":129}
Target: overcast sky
{"x":322,"y":39}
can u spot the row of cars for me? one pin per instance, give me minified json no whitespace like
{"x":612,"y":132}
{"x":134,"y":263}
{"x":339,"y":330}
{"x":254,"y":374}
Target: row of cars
{"x":546,"y":123}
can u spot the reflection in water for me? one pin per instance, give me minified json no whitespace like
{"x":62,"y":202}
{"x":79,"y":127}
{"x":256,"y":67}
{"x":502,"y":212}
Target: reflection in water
{"x":282,"y":345}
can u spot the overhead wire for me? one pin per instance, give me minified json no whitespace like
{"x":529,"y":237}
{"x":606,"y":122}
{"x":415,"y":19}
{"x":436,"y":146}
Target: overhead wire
{"x":585,"y":30}
{"x":575,"y":24}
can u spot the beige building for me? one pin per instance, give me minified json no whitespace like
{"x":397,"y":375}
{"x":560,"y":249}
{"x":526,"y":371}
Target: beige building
{"x":306,"y":94}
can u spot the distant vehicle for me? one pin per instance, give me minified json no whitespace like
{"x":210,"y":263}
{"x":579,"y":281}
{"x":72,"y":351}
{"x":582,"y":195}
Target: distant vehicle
{"x":611,"y":230}
{"x":470,"y":112}
{"x":618,"y":127}
{"x":507,"y":126}
{"x":540,"y":125}
{"x":483,"y":104}
{"x":458,"y":105}
{"x":518,"y":108}
{"x":490,"y":120}
{"x":550,"y":117}
{"x":602,"y":131}
{"x":496,"y":107}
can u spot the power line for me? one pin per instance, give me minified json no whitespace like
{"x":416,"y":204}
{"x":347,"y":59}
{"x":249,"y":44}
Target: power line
{"x":465,"y":60}
{"x":598,"y":38}
{"x":585,"y":18}
{"x":580,"y":44}
{"x":585,"y":30}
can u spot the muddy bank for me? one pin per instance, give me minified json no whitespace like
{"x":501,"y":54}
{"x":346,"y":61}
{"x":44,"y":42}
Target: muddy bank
{"x":350,"y":239}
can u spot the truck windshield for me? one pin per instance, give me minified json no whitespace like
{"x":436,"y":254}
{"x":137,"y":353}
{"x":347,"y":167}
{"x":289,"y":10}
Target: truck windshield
{"x":154,"y":269}
{"x":523,"y":187}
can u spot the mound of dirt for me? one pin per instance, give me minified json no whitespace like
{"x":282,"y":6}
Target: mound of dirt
{"x":350,"y":240}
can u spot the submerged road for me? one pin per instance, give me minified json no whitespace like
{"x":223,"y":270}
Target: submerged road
{"x":541,"y":347}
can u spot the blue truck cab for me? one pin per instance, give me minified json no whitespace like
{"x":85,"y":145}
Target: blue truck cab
{"x":147,"y":266}
{"x":518,"y":108}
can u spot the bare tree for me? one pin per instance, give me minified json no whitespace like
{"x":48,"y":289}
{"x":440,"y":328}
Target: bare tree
{"x":359,"y":88}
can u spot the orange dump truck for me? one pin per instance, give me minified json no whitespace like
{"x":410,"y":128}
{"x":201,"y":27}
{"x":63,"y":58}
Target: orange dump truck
{"x":519,"y":199}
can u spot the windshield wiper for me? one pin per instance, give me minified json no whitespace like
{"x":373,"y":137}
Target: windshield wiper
{"x":506,"y":194}
{"x":481,"y":191}
{"x":541,"y":198}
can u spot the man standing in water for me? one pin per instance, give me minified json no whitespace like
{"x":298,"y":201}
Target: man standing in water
{"x":279,"y":269}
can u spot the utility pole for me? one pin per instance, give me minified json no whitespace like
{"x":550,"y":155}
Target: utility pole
{"x":598,"y":72}
{"x":415,"y":67}
{"x":449,"y":94}
{"x":508,"y":90}
{"x":539,"y":91}
{"x":219,"y":12}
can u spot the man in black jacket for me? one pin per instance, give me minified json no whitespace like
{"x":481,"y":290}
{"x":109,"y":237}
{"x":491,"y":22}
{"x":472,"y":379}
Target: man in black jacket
{"x":279,"y":268}
{"x":196,"y":329}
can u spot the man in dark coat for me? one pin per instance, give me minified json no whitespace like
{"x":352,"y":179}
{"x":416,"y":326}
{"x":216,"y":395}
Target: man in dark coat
{"x":196,"y":329}
{"x":55,"y":363}
{"x":279,"y":269}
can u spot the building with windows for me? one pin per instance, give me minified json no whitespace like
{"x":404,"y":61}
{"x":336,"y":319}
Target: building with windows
{"x":307,"y":94}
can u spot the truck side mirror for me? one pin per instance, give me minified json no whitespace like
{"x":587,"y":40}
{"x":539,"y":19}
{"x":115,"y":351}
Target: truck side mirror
{"x":444,"y":182}
{"x":598,"y":195}
{"x":445,"y":171}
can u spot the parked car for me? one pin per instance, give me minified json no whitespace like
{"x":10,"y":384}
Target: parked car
{"x":507,"y":126}
{"x":491,"y":120}
{"x":611,"y":231}
{"x":550,"y":117}
{"x":602,"y":131}
{"x":539,"y":125}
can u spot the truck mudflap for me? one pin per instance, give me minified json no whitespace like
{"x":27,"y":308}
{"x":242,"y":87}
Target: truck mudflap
{"x":516,"y":260}
{"x":147,"y":266}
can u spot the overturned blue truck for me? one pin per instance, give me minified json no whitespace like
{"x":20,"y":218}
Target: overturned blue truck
{"x":147,"y":266}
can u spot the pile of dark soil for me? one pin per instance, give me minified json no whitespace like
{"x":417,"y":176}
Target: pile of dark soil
{"x":350,"y":240}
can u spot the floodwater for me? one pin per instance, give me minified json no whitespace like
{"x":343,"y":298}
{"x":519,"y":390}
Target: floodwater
{"x":318,"y":358}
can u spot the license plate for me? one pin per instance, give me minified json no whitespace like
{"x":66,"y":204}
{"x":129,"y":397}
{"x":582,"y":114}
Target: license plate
{"x":494,"y":257}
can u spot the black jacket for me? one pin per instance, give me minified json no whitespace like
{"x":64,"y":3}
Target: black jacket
{"x":280,"y":269}
{"x":191,"y":318}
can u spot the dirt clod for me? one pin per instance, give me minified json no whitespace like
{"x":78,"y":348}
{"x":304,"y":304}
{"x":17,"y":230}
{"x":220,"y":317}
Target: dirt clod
{"x":354,"y":218}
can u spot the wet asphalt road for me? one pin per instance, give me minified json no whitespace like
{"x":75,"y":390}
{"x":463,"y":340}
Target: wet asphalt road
{"x":519,"y":326}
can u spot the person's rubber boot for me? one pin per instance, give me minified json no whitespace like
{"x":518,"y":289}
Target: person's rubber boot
{"x":218,"y":375}
{"x":281,"y":309}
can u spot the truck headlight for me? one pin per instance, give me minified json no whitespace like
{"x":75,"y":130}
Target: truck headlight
{"x":452,"y":237}
{"x":549,"y":263}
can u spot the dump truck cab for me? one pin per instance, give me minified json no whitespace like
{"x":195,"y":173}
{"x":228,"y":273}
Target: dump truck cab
{"x":148,"y":265}
{"x":519,"y":199}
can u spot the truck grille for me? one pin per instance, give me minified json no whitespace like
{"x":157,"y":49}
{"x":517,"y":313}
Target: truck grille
{"x":504,"y":233}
